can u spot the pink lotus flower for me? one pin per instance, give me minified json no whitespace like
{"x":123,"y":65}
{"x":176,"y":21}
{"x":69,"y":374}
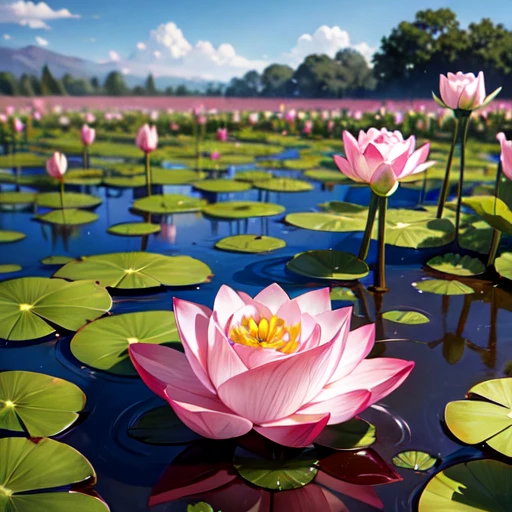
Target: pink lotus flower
{"x":197,"y":111}
{"x":330,"y":125}
{"x":222,"y":134}
{"x":236,"y":117}
{"x":57,"y":165}
{"x":214,"y":155}
{"x":175,"y":127}
{"x":506,"y":155}
{"x":253,"y":117}
{"x":147,"y":138}
{"x":290,"y":116}
{"x":3,"y":118}
{"x":9,"y":110}
{"x":37,"y":115}
{"x":463,"y":91}
{"x":90,"y":118}
{"x":285,"y":368}
{"x":18,"y":125}
{"x":88,"y":135}
{"x":381,"y":159}
{"x":202,"y":120}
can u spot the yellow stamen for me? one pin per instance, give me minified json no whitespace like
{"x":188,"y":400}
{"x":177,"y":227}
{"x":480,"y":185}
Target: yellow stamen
{"x":273,"y":333}
{"x":25,"y":307}
{"x":132,"y":340}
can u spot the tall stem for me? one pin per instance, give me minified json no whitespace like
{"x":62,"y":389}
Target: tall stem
{"x":379,"y":279}
{"x":496,"y":234}
{"x":148,"y":172}
{"x":196,"y":139}
{"x":62,"y":200}
{"x":464,"y":134}
{"x":443,"y":194}
{"x":365,"y":242}
{"x":85,"y":158}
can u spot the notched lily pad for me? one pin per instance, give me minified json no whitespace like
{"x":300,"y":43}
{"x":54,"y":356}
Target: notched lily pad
{"x":503,"y":265}
{"x":250,"y":244}
{"x":332,"y":222}
{"x":56,"y":260}
{"x":222,"y":186}
{"x":351,"y":435}
{"x":406,"y":317}
{"x":7,"y":237}
{"x":456,"y":264}
{"x":415,"y":460}
{"x":16,"y":198}
{"x":242,"y":209}
{"x":343,"y":293}
{"x":492,"y":210}
{"x":70,"y":217}
{"x":9,"y":268}
{"x":71,"y":200}
{"x":283,"y":185}
{"x":443,"y":287}
{"x":168,"y":203}
{"x":133,"y":229}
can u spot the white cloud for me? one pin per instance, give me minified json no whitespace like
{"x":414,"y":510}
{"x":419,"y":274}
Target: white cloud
{"x":7,"y":37}
{"x":31,"y":14}
{"x":141,"y":46}
{"x":114,"y":56}
{"x":125,"y":71}
{"x":91,"y":40}
{"x":325,"y":40}
{"x":40,"y":41}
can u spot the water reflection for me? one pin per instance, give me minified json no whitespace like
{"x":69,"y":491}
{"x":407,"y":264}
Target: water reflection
{"x":56,"y":232}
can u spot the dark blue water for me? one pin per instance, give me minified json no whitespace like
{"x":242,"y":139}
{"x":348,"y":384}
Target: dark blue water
{"x":445,"y":370}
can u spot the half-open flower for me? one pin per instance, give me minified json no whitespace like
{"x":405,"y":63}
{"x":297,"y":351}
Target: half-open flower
{"x":147,"y":138}
{"x":285,"y":368}
{"x":506,"y":155}
{"x":57,"y":165}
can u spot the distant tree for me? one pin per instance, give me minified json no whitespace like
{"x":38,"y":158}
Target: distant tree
{"x":139,"y":90}
{"x":213,"y":89}
{"x":319,"y":76}
{"x":8,"y":85}
{"x":169,"y":91}
{"x":77,"y":86}
{"x":25,"y":87}
{"x":181,"y":90}
{"x":50,"y":86}
{"x":114,"y":84}
{"x":246,"y":87}
{"x":355,"y":71}
{"x":95,"y":84}
{"x":36,"y":84}
{"x":150,"y":86}
{"x":277,"y":80}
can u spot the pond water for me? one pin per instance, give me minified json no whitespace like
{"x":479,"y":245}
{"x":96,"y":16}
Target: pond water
{"x":468,"y":339}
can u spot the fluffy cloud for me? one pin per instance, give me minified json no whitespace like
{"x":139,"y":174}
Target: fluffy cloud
{"x":325,"y":40}
{"x":40,"y":41}
{"x":114,"y":56}
{"x":31,"y":14}
{"x":7,"y":37}
{"x":141,"y":46}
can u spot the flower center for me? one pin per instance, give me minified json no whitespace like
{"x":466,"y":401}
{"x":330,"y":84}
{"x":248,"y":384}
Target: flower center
{"x":273,"y":333}
{"x":25,"y":307}
{"x":5,"y":491}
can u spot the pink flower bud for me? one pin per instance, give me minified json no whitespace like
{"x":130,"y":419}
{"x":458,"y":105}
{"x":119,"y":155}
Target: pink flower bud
{"x":88,"y":135}
{"x":147,"y":138}
{"x":57,"y":165}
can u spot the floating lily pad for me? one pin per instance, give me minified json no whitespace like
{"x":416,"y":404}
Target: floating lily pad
{"x":242,"y":209}
{"x":27,"y":305}
{"x":12,"y":198}
{"x":69,"y":217}
{"x":71,"y":200}
{"x":490,"y":421}
{"x":416,"y":460}
{"x":331,"y":265}
{"x":332,"y":222}
{"x":327,"y":176}
{"x":253,"y":175}
{"x":125,"y":181}
{"x":104,"y":344}
{"x":168,"y":203}
{"x":132,"y":270}
{"x":7,"y":237}
{"x":9,"y":268}
{"x":457,"y":265}
{"x":343,"y":208}
{"x":493,"y":210}
{"x":503,"y":265}
{"x":443,"y":287}
{"x":161,"y":426}
{"x":283,"y":185}
{"x":174,"y":176}
{"x":90,"y":177}
{"x":56,"y":260}
{"x":406,"y":317}
{"x":343,"y":293}
{"x":477,"y":237}
{"x":276,"y":475}
{"x":222,"y":186}
{"x":21,"y":160}
{"x":36,"y":476}
{"x":37,"y":404}
{"x":133,"y":229}
{"x":250,"y":243}
{"x":475,"y":486}
{"x":351,"y":435}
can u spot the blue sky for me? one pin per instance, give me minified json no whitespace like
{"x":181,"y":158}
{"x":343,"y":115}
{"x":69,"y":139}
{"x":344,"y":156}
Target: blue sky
{"x":252,"y":32}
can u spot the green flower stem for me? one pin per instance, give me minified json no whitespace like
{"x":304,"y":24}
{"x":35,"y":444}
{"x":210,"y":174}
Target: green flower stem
{"x":464,"y":134}
{"x":62,"y":200}
{"x":444,"y":189}
{"x":365,"y":242}
{"x":196,"y":138}
{"x":379,"y":279}
{"x":85,"y":158}
{"x":148,"y":172}
{"x":496,"y":234}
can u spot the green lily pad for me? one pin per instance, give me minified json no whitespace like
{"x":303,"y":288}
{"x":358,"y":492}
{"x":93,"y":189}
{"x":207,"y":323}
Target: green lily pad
{"x":477,"y":237}
{"x":503,"y":265}
{"x":202,"y":506}
{"x":443,"y":287}
{"x":354,"y":434}
{"x":12,"y":198}
{"x":343,"y":208}
{"x":242,"y":209}
{"x":174,"y":176}
{"x":222,"y":186}
{"x":332,"y":222}
{"x":104,"y":344}
{"x":250,"y":243}
{"x":475,"y":486}
{"x":7,"y":237}
{"x":38,"y":404}
{"x":133,"y":270}
{"x":253,"y":175}
{"x":125,"y":181}
{"x":90,"y":177}
{"x":56,"y":260}
{"x":35,"y":476}
{"x":27,"y":305}
{"x":406,"y":317}
{"x":416,"y":229}
{"x":457,"y":265}
{"x":71,"y":200}
{"x":161,"y":426}
{"x":343,"y":293}
{"x":283,"y":185}
{"x":490,"y":421}
{"x":326,"y":264}
{"x":9,"y":268}
{"x":276,"y":475}
{"x":133,"y":229}
{"x":493,"y":210}
{"x":168,"y":203}
{"x":69,"y":217}
{"x":416,"y":460}
{"x":21,"y":160}
{"x":327,"y":176}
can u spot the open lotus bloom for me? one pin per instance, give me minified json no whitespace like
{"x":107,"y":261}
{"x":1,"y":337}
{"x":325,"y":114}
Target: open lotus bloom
{"x":506,"y":155}
{"x":463,"y":91}
{"x":147,"y":138}
{"x":57,"y":165}
{"x":285,"y":368}
{"x":381,"y":159}
{"x":88,"y":135}
{"x":18,"y":125}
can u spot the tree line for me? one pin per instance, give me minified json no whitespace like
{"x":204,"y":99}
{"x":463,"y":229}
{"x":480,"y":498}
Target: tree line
{"x":407,"y":65}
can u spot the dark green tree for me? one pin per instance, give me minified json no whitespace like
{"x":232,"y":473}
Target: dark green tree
{"x":8,"y":85}
{"x":25,"y":86}
{"x":319,"y":76}
{"x":50,"y":86}
{"x":181,"y":90}
{"x":277,"y":81}
{"x":114,"y":84}
{"x":150,"y":86}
